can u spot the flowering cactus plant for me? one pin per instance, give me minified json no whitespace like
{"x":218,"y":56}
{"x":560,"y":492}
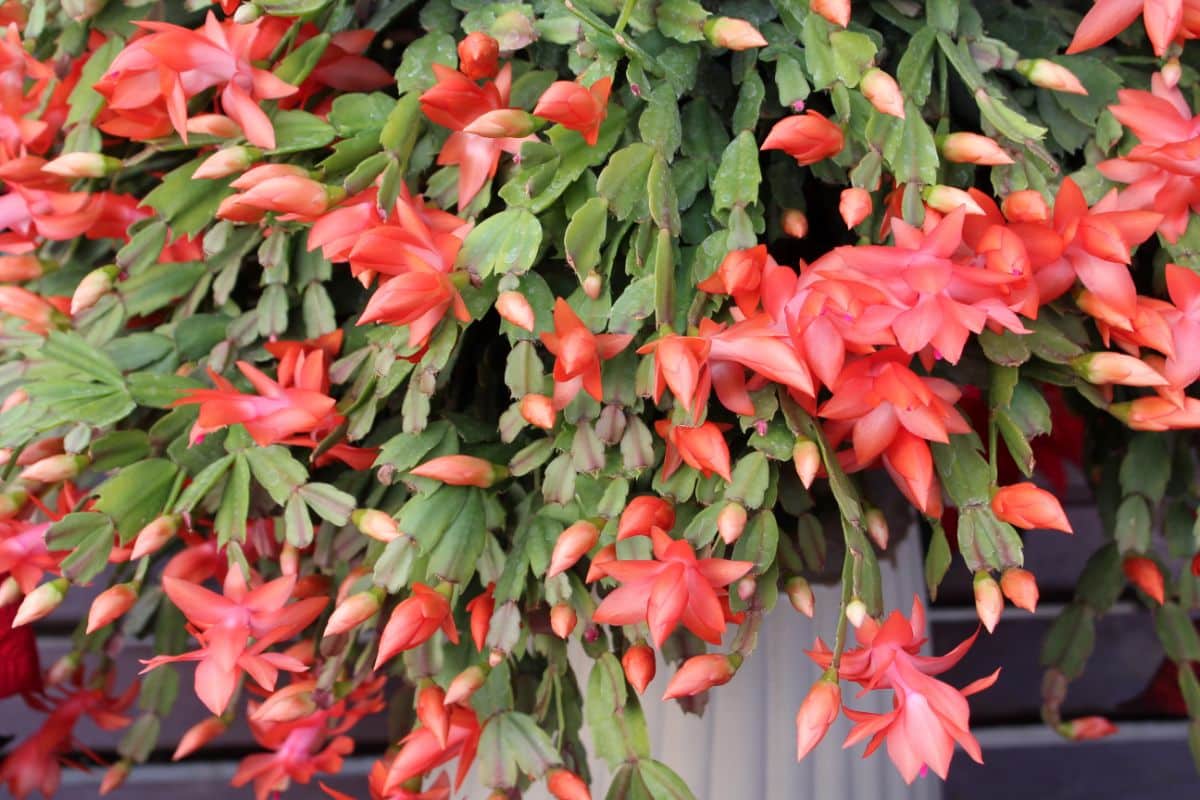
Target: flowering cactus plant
{"x":366,"y":350}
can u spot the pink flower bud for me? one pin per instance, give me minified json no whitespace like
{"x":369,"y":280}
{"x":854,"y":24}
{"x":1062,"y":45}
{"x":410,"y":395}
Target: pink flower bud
{"x":856,"y":613}
{"x":973,"y":148}
{"x":1026,"y":205}
{"x":593,"y":284}
{"x":734,"y":34}
{"x":503,"y":123}
{"x":14,"y":399}
{"x":82,"y":165}
{"x":1172,"y":71}
{"x":433,"y":712}
{"x":377,"y":524}
{"x":1119,"y":368}
{"x":515,"y":309}
{"x":701,"y":673}
{"x":1087,"y":729}
{"x":114,"y":776}
{"x":855,"y":206}
{"x":110,"y":604}
{"x":227,"y":161}
{"x":602,"y":557}
{"x":572,"y":545}
{"x":460,"y":470}
{"x":217,"y":125}
{"x":1048,"y":75}
{"x":746,"y":587}
{"x":156,"y":534}
{"x":353,"y":611}
{"x":199,"y":735}
{"x":465,"y":684}
{"x":1027,"y":506}
{"x":817,"y":713}
{"x":989,"y":603}
{"x":14,"y":269}
{"x":835,"y":11}
{"x":800,"y":595}
{"x":67,"y":668}
{"x":882,"y":91}
{"x":563,"y":620}
{"x":877,"y":527}
{"x":806,"y":457}
{"x":1020,"y":587}
{"x":54,"y":469}
{"x":10,"y":591}
{"x":643,"y":513}
{"x":479,"y":56}
{"x":564,"y":785}
{"x":288,"y":704}
{"x":1142,"y":572}
{"x":94,"y":285}
{"x":948,"y":198}
{"x":538,"y":410}
{"x":794,"y":223}
{"x":639,"y":666}
{"x":731,"y":521}
{"x":41,"y":601}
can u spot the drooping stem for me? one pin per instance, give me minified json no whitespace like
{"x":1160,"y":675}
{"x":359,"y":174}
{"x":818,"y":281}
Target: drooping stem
{"x":626,"y":13}
{"x":839,"y":639}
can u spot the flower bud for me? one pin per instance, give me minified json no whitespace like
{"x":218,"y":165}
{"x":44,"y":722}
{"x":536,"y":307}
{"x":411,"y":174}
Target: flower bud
{"x":882,"y":91}
{"x":856,"y":612}
{"x":1028,"y":506}
{"x":377,"y":524}
{"x":877,"y":527}
{"x":1142,"y":572}
{"x":156,"y":534}
{"x":82,"y":165}
{"x":94,"y":285}
{"x":639,"y":666}
{"x":602,"y":557}
{"x":114,"y":777}
{"x":563,"y":620}
{"x":564,"y":785}
{"x":835,"y":11}
{"x":731,"y":522}
{"x":734,"y":34}
{"x":989,"y":603}
{"x":973,"y":148}
{"x":515,"y":309}
{"x":593,"y":284}
{"x":817,"y":713}
{"x":496,"y":658}
{"x":54,"y":469}
{"x":110,"y":604}
{"x":948,"y":198}
{"x":1172,"y":71}
{"x":806,"y":457}
{"x":503,"y":123}
{"x":1026,"y":205}
{"x":14,"y":269}
{"x":746,"y":587}
{"x":1087,"y":729}
{"x":227,"y":161}
{"x":479,"y":56}
{"x":1048,"y":75}
{"x":354,"y":611}
{"x":643,"y":513}
{"x":573,"y":543}
{"x":701,"y":673}
{"x":465,"y":684}
{"x":855,"y":206}
{"x":14,"y":399}
{"x":433,"y":711}
{"x":199,"y":735}
{"x":64,"y":669}
{"x":41,"y":601}
{"x":794,"y":223}
{"x":1020,"y":587}
{"x":288,"y":704}
{"x":538,"y":410}
{"x":461,"y":470}
{"x":1119,"y":368}
{"x":800,"y":595}
{"x":11,"y":503}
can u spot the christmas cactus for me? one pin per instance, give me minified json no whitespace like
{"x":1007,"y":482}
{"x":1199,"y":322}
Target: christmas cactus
{"x":394,"y":357}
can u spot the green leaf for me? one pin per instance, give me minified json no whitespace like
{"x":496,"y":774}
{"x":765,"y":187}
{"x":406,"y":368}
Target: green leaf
{"x":937,"y":560}
{"x":759,"y":542}
{"x":662,"y":782}
{"x":84,"y":102}
{"x":297,"y":130}
{"x":72,"y":351}
{"x":457,"y":552}
{"x":118,"y":449}
{"x":585,"y":234}
{"x":89,"y":557}
{"x":297,"y":524}
{"x":660,"y":196}
{"x":230,"y":522}
{"x":623,"y":181}
{"x":504,"y":243}
{"x":155,"y":390}
{"x":634,"y":306}
{"x":681,"y":20}
{"x":68,"y":532}
{"x":157,"y":286}
{"x":352,"y":114}
{"x":276,"y":470}
{"x":329,"y":502}
{"x":136,"y":495}
{"x":1146,"y":467}
{"x":416,"y":68}
{"x":738,"y":176}
{"x":910,"y":149}
{"x":659,"y":124}
{"x":818,"y":54}
{"x":299,"y":64}
{"x":853,"y":55}
{"x":915,"y":70}
{"x":185,"y":204}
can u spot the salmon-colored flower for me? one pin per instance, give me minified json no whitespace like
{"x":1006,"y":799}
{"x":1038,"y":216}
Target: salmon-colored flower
{"x":1107,"y":18}
{"x":420,"y":751}
{"x":414,"y":621}
{"x":578,"y":354}
{"x":928,"y":716}
{"x":480,"y":610}
{"x":576,"y":107}
{"x":701,"y":447}
{"x":643,"y":514}
{"x":699,"y":674}
{"x":1028,"y":506}
{"x":199,"y":735}
{"x":674,"y":588}
{"x":817,"y":713}
{"x":479,"y":56}
{"x":639,"y":666}
{"x":740,"y":275}
{"x":1144,"y":573}
{"x":1086,"y":729}
{"x":807,"y":137}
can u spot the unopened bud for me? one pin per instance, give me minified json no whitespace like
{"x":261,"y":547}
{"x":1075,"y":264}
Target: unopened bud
{"x":1171,"y":73}
{"x":151,"y":538}
{"x":989,"y":603}
{"x":746,"y":587}
{"x":54,"y":468}
{"x":15,"y":398}
{"x":855,"y":206}
{"x":882,"y":91}
{"x":639,"y":666}
{"x":974,"y":148}
{"x":806,"y":457}
{"x":41,"y":601}
{"x":800,"y":595}
{"x":479,"y":56}
{"x":496,"y":658}
{"x":564,"y":785}
{"x":82,"y":165}
{"x":288,"y":704}
{"x":856,"y":612}
{"x":734,"y":34}
{"x":1020,"y":587}
{"x":731,"y":521}
{"x":110,"y":604}
{"x":63,"y":670}
{"x":592,"y":285}
{"x":465,"y":684}
{"x":701,"y":673}
{"x":503,"y":123}
{"x":354,"y":611}
{"x":199,"y":735}
{"x":794,"y":223}
{"x":949,"y":198}
{"x":538,"y":410}
{"x":515,"y":309}
{"x":877,"y":528}
{"x":1048,"y":75}
{"x":227,"y":161}
{"x":247,"y":13}
{"x":115,"y":776}
{"x":1026,"y":205}
{"x":11,"y":503}
{"x":94,"y":285}
{"x":376,"y":524}
{"x":563,"y":620}
{"x":572,"y":544}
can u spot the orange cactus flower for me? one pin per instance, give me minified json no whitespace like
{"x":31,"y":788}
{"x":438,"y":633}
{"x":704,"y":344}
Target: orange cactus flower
{"x":576,"y":107}
{"x":459,"y":470}
{"x":578,"y":354}
{"x":1107,"y":18}
{"x":420,"y":751}
{"x":701,"y":447}
{"x":1086,"y":729}
{"x":807,"y":137}
{"x":480,"y":610}
{"x":699,"y":674}
{"x":479,"y":56}
{"x":643,"y":514}
{"x":675,"y":587}
{"x":928,"y":716}
{"x":817,"y":713}
{"x":740,"y":275}
{"x":414,"y":621}
{"x":1144,"y":573}
{"x":1028,"y":506}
